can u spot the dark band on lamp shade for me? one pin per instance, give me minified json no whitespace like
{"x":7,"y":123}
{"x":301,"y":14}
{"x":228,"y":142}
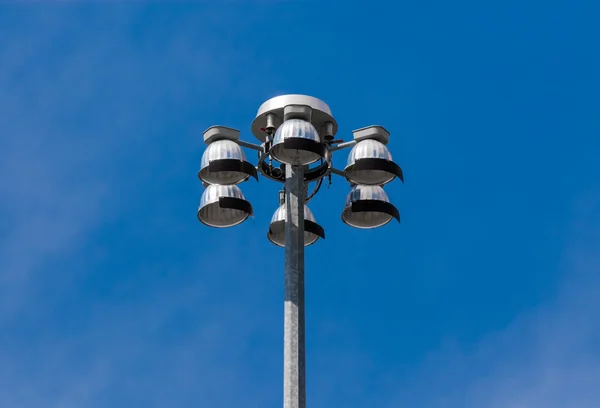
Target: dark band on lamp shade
{"x":377,"y":164}
{"x":305,"y":144}
{"x":241,"y":166}
{"x":314,"y":228}
{"x":375,"y":206}
{"x":236,"y":204}
{"x":278,"y":227}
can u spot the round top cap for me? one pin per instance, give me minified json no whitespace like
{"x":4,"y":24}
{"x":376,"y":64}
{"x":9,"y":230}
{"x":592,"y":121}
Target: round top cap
{"x":321,"y":113}
{"x":282,"y":101}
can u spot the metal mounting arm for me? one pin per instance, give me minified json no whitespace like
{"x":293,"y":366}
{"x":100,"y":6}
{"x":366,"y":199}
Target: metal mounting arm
{"x":337,"y":172}
{"x":343,"y":145}
{"x":302,"y":153}
{"x":258,"y":148}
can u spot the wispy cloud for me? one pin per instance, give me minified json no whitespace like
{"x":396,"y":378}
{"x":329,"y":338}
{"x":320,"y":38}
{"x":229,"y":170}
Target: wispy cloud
{"x":548,"y":357}
{"x":75,"y":90}
{"x":131,"y":353}
{"x":50,"y":195}
{"x":80,"y":101}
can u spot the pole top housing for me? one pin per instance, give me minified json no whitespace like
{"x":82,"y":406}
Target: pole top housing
{"x":214,"y":133}
{"x":374,"y":132}
{"x":320,"y":114}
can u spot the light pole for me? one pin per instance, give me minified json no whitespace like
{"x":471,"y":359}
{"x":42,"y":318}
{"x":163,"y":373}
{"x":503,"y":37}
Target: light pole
{"x":296,"y":131}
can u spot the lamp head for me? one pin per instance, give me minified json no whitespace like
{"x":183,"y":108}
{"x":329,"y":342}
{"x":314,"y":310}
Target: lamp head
{"x":224,"y":162}
{"x":368,"y":207}
{"x":312,"y":230}
{"x":223,"y":206}
{"x":297,"y":142}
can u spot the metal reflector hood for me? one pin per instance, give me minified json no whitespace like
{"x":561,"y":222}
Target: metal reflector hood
{"x":370,"y":163}
{"x":223,"y":206}
{"x":297,"y":142}
{"x":312,"y":230}
{"x":368,"y":207}
{"x":224,"y":162}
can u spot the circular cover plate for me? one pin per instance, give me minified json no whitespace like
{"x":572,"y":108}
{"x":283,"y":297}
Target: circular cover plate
{"x":320,"y":113}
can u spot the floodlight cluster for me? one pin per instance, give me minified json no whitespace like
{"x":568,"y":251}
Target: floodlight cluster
{"x":222,"y":168}
{"x":368,"y":169}
{"x":295,"y":140}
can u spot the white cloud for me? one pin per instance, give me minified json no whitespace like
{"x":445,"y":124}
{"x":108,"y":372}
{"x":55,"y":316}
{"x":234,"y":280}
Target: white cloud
{"x":80,"y":98}
{"x":127,"y":354}
{"x":56,"y":184}
{"x":80,"y":101}
{"x":546,"y":358}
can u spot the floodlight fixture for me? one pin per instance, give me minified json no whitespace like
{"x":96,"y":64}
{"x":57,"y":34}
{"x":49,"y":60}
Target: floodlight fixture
{"x":368,"y":207}
{"x":224,"y":162}
{"x":312,"y":230}
{"x":223,"y":206}
{"x":297,"y":144}
{"x":370,"y":161}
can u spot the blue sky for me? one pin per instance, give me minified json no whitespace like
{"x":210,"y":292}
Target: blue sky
{"x":112,"y":294}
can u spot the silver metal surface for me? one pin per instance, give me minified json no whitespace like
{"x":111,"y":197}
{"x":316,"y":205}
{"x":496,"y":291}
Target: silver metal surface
{"x":222,"y":149}
{"x":342,"y":145}
{"x":368,"y":149}
{"x":321,"y":114}
{"x":366,"y":219}
{"x":372,"y":132}
{"x":303,"y":112}
{"x":272,"y":129}
{"x":211,"y":214}
{"x":297,"y":129}
{"x":214,"y":133}
{"x":306,"y":121}
{"x":259,"y":148}
{"x":311,"y":174}
{"x":294,"y":380}
{"x":280,"y":215}
{"x":337,"y":172}
{"x":328,"y":131}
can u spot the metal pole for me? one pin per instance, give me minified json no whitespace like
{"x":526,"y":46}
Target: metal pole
{"x":294,"y":380}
